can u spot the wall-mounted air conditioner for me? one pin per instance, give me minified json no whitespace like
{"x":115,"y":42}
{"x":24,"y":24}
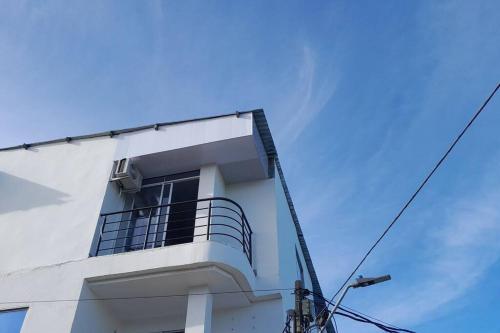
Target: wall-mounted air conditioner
{"x":126,"y":175}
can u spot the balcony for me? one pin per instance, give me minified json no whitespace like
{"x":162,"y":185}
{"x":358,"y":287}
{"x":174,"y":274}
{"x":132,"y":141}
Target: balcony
{"x":210,"y":219}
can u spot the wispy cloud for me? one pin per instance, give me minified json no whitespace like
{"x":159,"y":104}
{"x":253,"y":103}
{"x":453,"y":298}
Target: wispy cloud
{"x":313,"y":90}
{"x":459,"y":253}
{"x":448,"y":256}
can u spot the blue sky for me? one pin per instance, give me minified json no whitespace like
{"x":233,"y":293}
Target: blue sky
{"x":11,"y":321}
{"x":362,"y":97}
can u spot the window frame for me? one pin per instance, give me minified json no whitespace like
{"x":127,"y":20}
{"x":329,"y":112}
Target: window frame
{"x":25,"y":309}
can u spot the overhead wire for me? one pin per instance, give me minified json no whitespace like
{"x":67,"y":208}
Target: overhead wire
{"x":335,"y":324}
{"x":141,"y":297}
{"x":363,"y":317}
{"x":382,"y":327}
{"x":286,"y":329}
{"x":344,"y":307}
{"x":414,"y":195}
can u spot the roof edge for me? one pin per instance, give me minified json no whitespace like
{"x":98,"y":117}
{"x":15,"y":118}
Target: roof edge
{"x":120,"y":131}
{"x":267,"y":139}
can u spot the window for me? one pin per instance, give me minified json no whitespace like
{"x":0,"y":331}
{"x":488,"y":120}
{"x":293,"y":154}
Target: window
{"x":167,"y":205}
{"x":11,"y":321}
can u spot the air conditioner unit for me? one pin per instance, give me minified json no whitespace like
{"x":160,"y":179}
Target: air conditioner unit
{"x":126,"y":175}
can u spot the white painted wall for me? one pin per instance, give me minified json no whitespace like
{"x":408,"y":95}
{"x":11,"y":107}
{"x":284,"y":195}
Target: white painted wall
{"x":259,"y":203}
{"x":52,"y":194}
{"x":199,"y":310}
{"x":93,"y":316}
{"x":154,"y":325}
{"x":184,"y":135}
{"x":260,"y":317}
{"x":211,"y":185}
{"x":51,"y":199}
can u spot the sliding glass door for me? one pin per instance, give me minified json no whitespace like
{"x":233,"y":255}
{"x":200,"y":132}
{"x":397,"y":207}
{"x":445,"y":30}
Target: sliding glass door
{"x":182,"y":215}
{"x":168,"y":206}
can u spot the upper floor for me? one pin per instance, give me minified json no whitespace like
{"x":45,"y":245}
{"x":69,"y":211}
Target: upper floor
{"x":206,"y":193}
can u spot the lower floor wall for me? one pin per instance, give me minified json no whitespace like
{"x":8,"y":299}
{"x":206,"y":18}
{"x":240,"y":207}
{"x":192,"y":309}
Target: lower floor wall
{"x":259,"y":317}
{"x":60,"y":301}
{"x":263,"y":316}
{"x":95,"y":317}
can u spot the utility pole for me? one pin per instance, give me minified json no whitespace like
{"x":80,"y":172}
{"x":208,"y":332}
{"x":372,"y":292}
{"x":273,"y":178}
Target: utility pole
{"x":298,"y":319}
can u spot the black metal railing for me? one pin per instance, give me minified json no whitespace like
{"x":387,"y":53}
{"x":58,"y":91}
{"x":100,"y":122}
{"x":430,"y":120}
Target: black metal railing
{"x":218,"y":219}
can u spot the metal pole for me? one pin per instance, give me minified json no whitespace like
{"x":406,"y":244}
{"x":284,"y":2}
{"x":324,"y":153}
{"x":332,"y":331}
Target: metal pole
{"x":243,"y":237}
{"x":250,"y":244}
{"x":209,"y":218}
{"x":299,"y":317}
{"x":100,"y":235}
{"x":147,"y":229}
{"x":337,"y":304}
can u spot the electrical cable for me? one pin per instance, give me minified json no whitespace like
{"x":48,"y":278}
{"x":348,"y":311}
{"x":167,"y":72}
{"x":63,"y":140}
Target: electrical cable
{"x":335,"y":324}
{"x":382,"y":327}
{"x":414,"y":195}
{"x":385,"y":324}
{"x":359,"y":314}
{"x":368,"y":316}
{"x":286,"y":329}
{"x":364,"y":319}
{"x":143,"y":297}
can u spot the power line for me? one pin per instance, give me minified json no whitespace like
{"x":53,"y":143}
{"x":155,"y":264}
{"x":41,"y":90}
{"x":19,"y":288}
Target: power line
{"x":359,"y":314}
{"x":358,"y":317}
{"x":365,"y":319}
{"x":145,"y":297}
{"x":286,"y":329}
{"x":335,"y":324}
{"x":382,"y":327}
{"x":344,"y":307}
{"x":413,"y":196}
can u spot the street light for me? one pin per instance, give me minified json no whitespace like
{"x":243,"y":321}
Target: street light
{"x":360,"y":282}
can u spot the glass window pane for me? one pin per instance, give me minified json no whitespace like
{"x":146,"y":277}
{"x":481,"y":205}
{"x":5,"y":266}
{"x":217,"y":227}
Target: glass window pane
{"x":148,"y":196}
{"x":154,"y":180}
{"x":11,"y":321}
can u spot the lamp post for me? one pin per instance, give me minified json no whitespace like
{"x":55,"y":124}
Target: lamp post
{"x":360,"y":282}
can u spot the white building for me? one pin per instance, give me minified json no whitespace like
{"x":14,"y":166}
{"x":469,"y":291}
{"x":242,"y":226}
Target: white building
{"x":208,"y":242}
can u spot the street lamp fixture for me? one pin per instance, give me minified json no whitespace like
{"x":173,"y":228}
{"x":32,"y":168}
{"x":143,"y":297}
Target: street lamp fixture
{"x":359,"y":283}
{"x":365,"y":282}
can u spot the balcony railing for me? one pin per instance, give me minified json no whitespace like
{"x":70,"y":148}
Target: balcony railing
{"x":218,"y":219}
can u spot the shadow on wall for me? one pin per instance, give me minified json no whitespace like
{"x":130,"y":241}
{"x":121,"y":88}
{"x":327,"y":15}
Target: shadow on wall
{"x":91,"y":315}
{"x":21,"y":194}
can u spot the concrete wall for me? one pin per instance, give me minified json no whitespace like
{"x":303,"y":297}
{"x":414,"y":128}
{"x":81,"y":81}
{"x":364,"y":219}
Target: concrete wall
{"x":52,"y":194}
{"x":260,"y":317}
{"x":93,"y":316}
{"x":258,"y":201}
{"x":184,"y":135}
{"x":51,"y":200}
{"x":155,"y":325}
{"x":211,"y":185}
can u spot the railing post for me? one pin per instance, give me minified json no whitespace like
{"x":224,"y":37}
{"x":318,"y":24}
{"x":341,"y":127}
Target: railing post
{"x":147,"y":230}
{"x":100,"y":235}
{"x":250,"y":245}
{"x":209,"y":218}
{"x":243,"y":233}
{"x":205,"y":223}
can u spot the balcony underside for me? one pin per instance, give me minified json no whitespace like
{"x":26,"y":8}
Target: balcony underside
{"x":151,"y":295}
{"x":173,"y":270}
